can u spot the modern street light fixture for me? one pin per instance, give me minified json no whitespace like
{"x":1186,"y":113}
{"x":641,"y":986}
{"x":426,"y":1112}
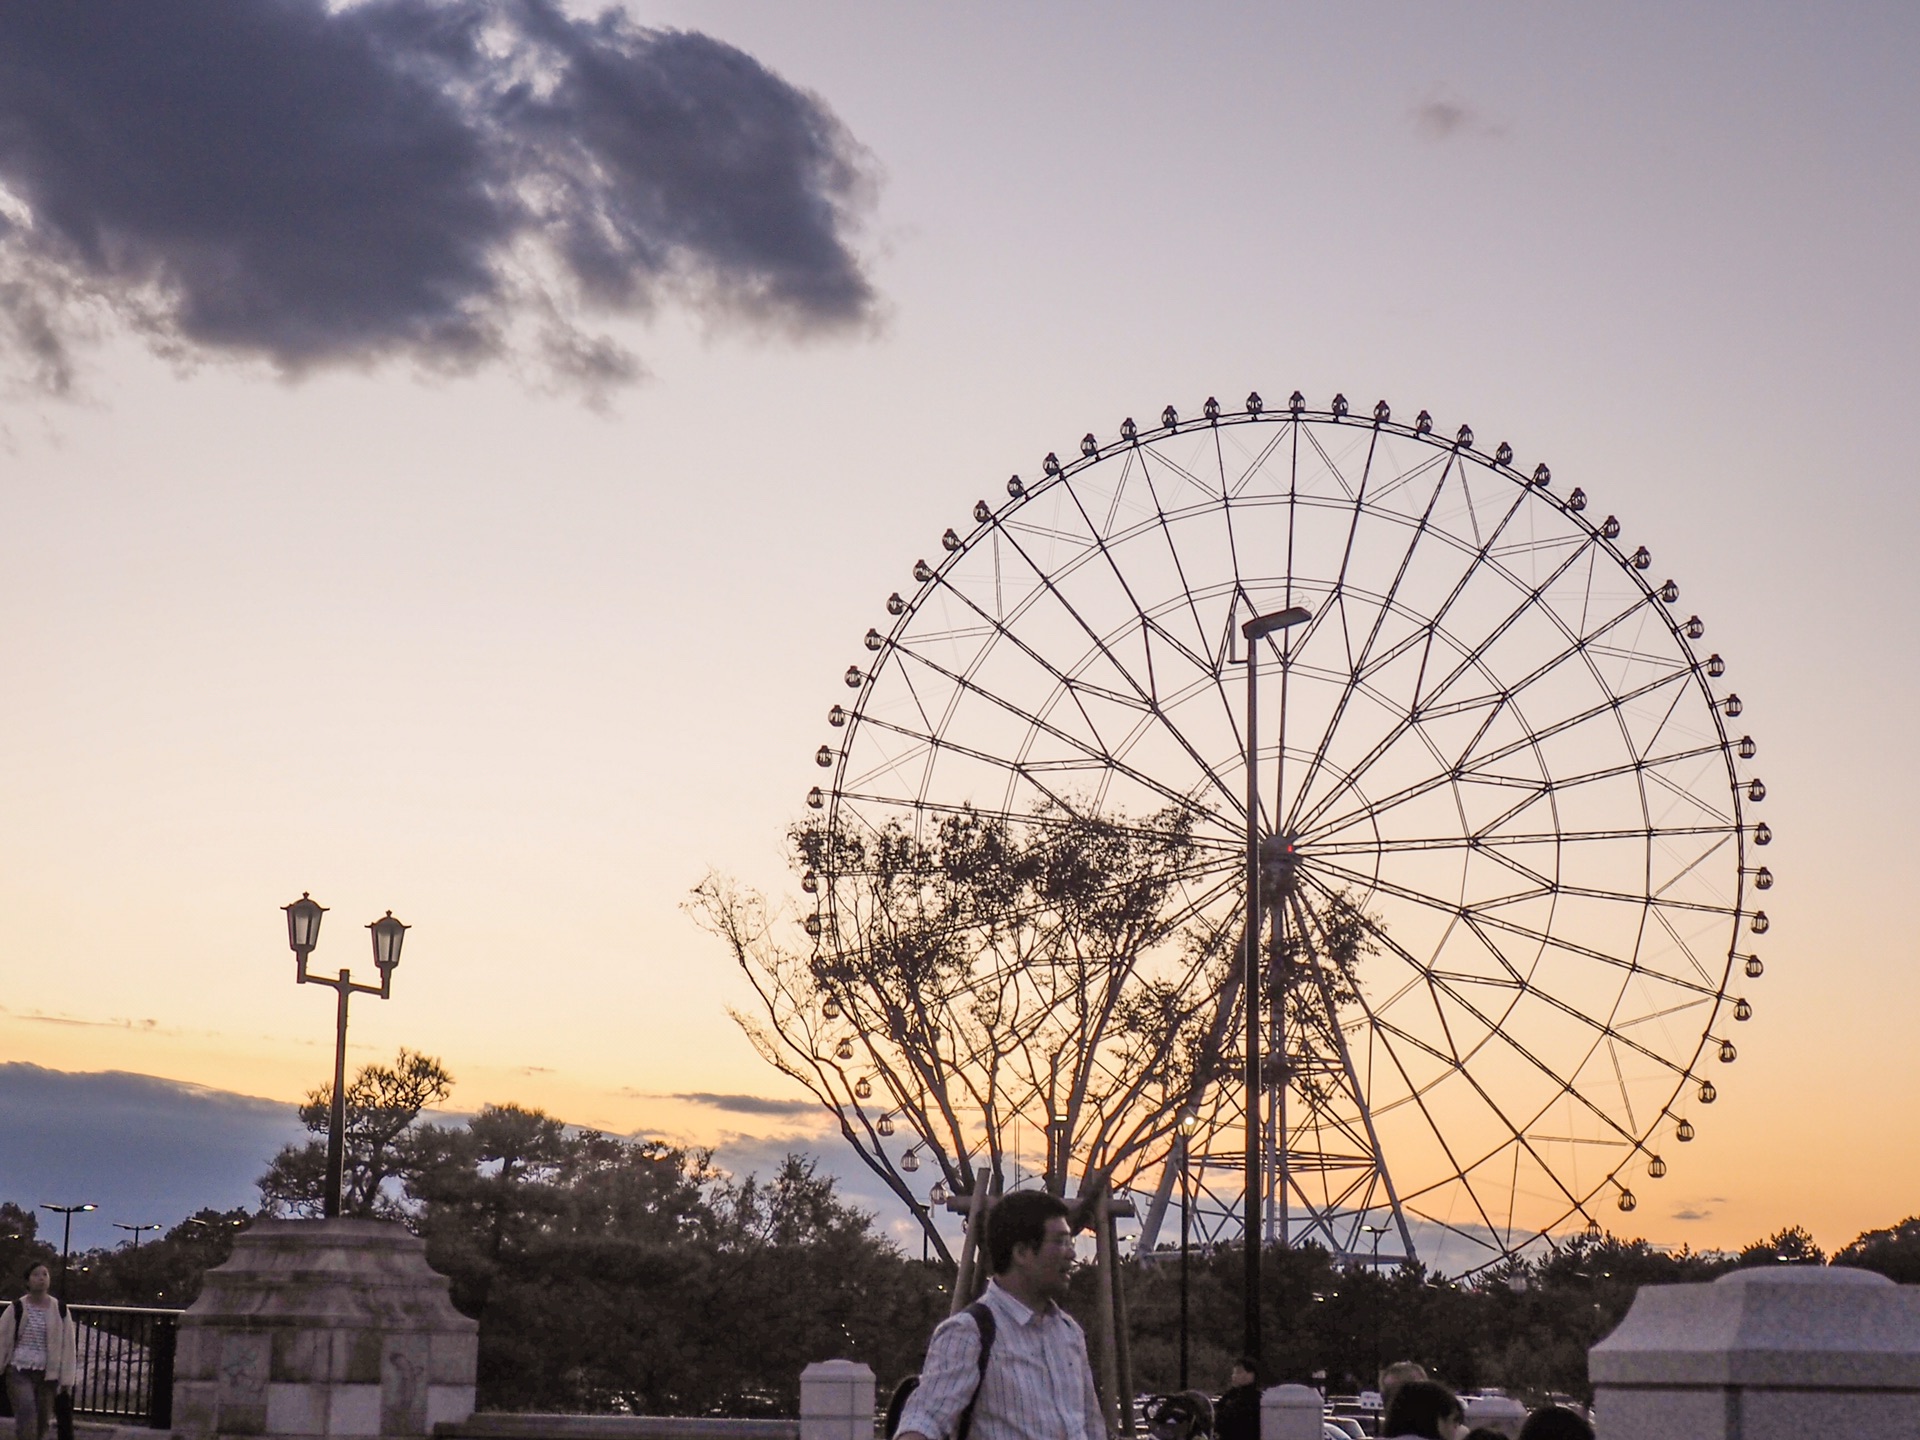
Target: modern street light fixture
{"x":136,"y":1229}
{"x":1255,"y":630}
{"x":1189,"y":1124}
{"x":303,"y":934}
{"x":66,"y":1234}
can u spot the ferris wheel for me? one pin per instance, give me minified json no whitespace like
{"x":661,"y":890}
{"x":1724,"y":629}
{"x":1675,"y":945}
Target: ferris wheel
{"x":1500,"y":820}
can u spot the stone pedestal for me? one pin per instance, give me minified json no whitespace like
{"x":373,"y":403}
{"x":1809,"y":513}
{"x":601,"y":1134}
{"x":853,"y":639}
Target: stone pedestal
{"x":836,"y":1401}
{"x":1291,"y":1412}
{"x":1798,"y":1350}
{"x":323,"y":1328}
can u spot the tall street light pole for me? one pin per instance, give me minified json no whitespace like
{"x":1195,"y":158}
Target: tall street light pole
{"x":1189,"y":1123}
{"x":1376,"y":1231}
{"x":66,"y":1235}
{"x":1254,"y":631}
{"x":303,"y":933}
{"x":136,"y":1229}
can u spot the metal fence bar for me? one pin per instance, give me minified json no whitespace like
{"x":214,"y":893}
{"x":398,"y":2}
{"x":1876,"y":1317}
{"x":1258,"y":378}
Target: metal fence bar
{"x":126,"y":1363}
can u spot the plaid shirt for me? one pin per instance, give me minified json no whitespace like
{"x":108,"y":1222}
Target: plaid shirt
{"x":1038,"y":1384}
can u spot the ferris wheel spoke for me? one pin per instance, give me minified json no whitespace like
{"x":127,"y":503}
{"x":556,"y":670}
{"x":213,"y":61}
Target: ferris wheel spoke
{"x":1561,"y":1084}
{"x":1500,"y":696}
{"x":1359,"y":667}
{"x":1480,"y":922}
{"x":1094,"y":754}
{"x":1481,"y":913}
{"x":1144,"y":696}
{"x":1203,"y":658}
{"x":1418,"y":1097}
{"x":1479,"y":768}
{"x":1472,"y":657}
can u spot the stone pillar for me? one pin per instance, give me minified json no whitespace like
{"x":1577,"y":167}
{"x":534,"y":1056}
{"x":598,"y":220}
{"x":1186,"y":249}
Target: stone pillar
{"x":323,"y":1328}
{"x":1291,"y":1412}
{"x":836,"y":1401}
{"x":1494,"y":1411}
{"x":1796,"y":1350}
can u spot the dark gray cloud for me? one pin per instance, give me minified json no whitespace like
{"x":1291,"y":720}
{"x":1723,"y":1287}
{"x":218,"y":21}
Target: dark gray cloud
{"x":751,"y":1104}
{"x":450,"y":181}
{"x":146,"y":1151}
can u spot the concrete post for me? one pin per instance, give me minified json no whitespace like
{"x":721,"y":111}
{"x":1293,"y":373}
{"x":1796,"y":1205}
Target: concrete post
{"x":1291,"y":1412}
{"x":1792,"y":1351}
{"x":321,"y":1328}
{"x":836,"y":1401}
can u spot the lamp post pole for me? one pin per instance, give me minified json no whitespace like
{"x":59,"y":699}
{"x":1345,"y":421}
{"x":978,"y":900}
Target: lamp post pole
{"x":1376,"y":1231}
{"x":66,"y":1235}
{"x":1189,"y":1123}
{"x":1254,"y":631}
{"x":136,"y":1229}
{"x":303,"y":933}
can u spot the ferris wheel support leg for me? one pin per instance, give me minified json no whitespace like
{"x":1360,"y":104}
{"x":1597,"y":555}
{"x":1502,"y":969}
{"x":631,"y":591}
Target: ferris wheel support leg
{"x":1216,"y":1040}
{"x":1353,"y":1084}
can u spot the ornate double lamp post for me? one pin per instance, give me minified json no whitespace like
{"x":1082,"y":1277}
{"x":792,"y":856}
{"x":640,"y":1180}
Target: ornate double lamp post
{"x":303,"y":933}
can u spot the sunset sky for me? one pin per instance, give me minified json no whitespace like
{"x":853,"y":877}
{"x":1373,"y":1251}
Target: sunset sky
{"x":521,"y":629}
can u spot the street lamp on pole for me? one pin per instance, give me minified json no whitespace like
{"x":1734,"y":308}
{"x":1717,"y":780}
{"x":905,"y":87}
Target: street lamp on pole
{"x":1189,"y":1124}
{"x":1255,"y":630}
{"x":303,"y":934}
{"x":66,"y":1234}
{"x":136,"y":1229}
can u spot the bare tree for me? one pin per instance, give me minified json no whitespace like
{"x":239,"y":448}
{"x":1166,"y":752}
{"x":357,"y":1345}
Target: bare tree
{"x":1064,"y":972}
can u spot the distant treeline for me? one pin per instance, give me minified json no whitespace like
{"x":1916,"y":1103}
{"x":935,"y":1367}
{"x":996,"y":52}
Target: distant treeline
{"x":619,"y":1275}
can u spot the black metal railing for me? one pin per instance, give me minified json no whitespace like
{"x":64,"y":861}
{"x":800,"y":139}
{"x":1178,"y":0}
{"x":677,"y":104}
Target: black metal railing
{"x":126,"y":1363}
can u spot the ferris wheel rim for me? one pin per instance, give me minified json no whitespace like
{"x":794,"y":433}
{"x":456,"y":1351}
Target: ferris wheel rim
{"x":1057,"y":473}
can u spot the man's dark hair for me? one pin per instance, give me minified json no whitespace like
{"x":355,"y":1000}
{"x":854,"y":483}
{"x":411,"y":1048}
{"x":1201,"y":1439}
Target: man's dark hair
{"x":1555,"y":1422}
{"x":1248,"y":1364}
{"x":1418,"y":1407}
{"x":1019,"y":1219}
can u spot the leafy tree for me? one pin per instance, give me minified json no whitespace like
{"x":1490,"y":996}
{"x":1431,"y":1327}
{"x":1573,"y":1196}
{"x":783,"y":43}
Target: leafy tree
{"x":1792,"y":1245}
{"x":1894,"y":1252}
{"x":20,"y":1243}
{"x":165,"y":1272}
{"x":622,"y":1275}
{"x":383,"y":1107}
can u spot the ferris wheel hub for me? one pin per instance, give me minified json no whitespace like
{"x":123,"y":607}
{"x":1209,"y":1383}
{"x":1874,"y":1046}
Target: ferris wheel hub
{"x":1279,"y":855}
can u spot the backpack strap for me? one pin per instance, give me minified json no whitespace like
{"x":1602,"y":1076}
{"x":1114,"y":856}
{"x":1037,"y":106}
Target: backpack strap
{"x":982,"y":1315}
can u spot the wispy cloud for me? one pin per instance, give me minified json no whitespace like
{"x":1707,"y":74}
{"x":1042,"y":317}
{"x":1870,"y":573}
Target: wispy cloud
{"x":1441,"y":117}
{"x":750,"y":1104}
{"x":452,"y":182}
{"x":1691,"y":1212}
{"x":41,"y":1017}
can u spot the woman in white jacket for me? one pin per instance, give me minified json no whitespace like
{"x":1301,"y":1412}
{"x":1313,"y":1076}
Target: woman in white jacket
{"x":40,"y":1352}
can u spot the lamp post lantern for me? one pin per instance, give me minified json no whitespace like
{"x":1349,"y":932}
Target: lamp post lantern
{"x":66,"y":1234}
{"x":1255,"y":630}
{"x":136,"y":1229}
{"x":303,"y":934}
